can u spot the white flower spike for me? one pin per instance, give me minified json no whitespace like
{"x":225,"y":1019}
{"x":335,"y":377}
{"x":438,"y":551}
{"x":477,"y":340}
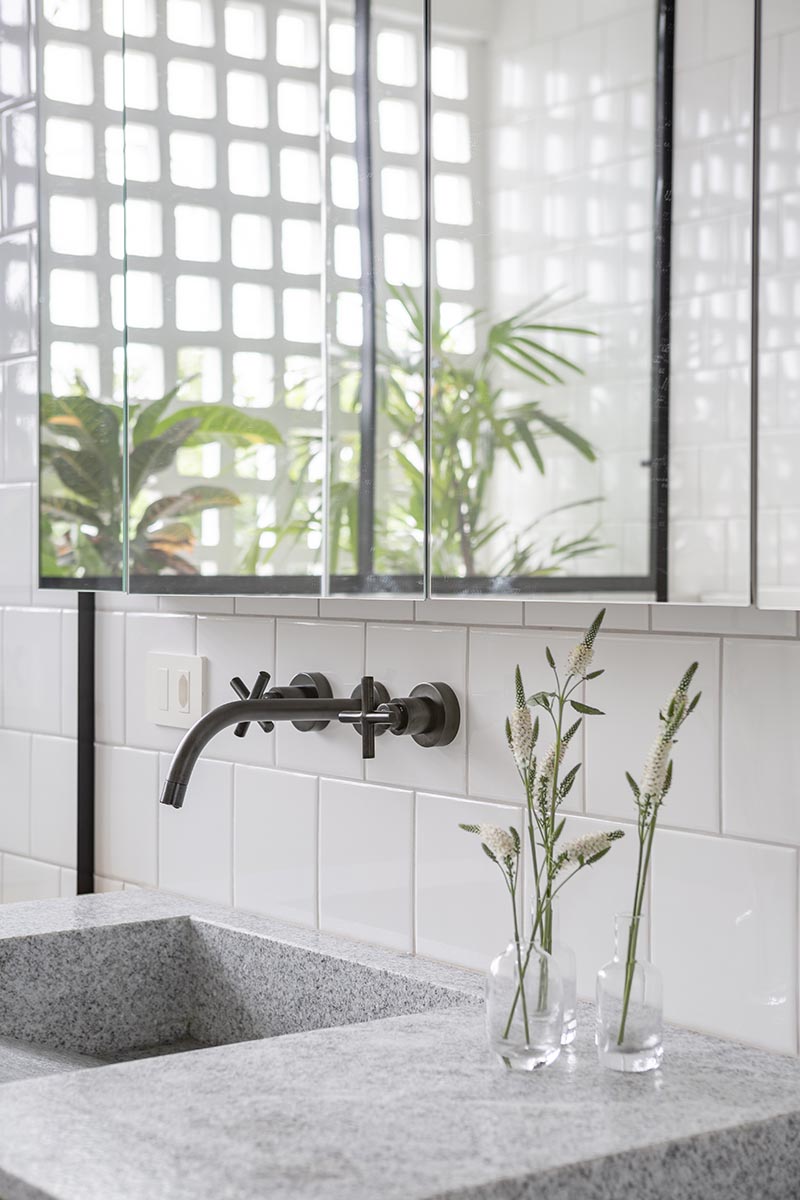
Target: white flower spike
{"x":498,"y":840}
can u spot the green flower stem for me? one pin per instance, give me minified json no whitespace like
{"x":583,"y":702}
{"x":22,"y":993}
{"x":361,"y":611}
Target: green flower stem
{"x":646,"y":849}
{"x":520,"y":969}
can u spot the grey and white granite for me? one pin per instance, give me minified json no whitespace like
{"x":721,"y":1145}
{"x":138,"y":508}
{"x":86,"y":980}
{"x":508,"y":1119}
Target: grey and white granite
{"x":408,"y":1107}
{"x":126,"y":984}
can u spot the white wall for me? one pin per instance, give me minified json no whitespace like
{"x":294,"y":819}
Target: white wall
{"x":293,"y":824}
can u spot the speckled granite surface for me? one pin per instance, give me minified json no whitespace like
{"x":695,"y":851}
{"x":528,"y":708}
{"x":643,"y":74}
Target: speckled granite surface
{"x":402,"y":1108}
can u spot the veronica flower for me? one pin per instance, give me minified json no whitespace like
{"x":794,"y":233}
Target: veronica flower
{"x":520,"y":726}
{"x":588,"y":847}
{"x":499,"y":841}
{"x":579,"y":659}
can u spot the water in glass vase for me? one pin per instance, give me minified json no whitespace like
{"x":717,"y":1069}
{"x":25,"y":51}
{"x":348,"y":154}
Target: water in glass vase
{"x":564,"y":958}
{"x":629,"y":1002}
{"x":524,"y":1007}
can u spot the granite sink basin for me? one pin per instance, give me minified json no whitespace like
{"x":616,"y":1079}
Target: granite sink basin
{"x":110,"y":993}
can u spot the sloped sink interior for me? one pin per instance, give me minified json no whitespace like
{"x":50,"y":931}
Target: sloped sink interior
{"x":107,"y":994}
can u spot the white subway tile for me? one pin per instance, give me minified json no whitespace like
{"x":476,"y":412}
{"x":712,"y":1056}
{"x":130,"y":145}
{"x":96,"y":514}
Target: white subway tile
{"x":15,"y":797}
{"x":32,"y":669}
{"x":546,"y":614}
{"x":703,"y":618}
{"x":106,"y":885}
{"x":463,"y":910}
{"x":21,"y":424}
{"x":725,"y":937}
{"x":493,"y":657}
{"x":275,"y":843}
{"x":110,"y":685}
{"x":69,"y":673}
{"x":17,"y":326}
{"x":240,"y":646}
{"x":640,"y":676}
{"x":16,"y":561}
{"x":760,"y":747}
{"x":196,"y":604}
{"x":463,"y":611}
{"x":126,"y":841}
{"x":402,"y":657}
{"x":195,"y":843}
{"x":366,"y":862}
{"x":54,"y":804}
{"x":68,"y":882}
{"x":26,"y":879}
{"x":589,"y":903}
{"x":121,"y":602}
{"x":377,"y":608}
{"x":335,"y":649}
{"x":143,"y":633}
{"x":277,"y":606}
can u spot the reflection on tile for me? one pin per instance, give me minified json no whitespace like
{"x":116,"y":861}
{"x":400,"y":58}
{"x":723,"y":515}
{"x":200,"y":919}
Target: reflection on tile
{"x":54,"y":805}
{"x":366,"y":850}
{"x":26,"y":879}
{"x":463,"y":910}
{"x":15,"y":763}
{"x":195,"y":843}
{"x":126,"y":841}
{"x":275,"y":844}
{"x":762,"y":699}
{"x":727,"y":948}
{"x":639,"y":679}
{"x":15,"y":295}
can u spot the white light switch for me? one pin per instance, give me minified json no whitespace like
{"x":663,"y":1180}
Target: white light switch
{"x":176,"y":689}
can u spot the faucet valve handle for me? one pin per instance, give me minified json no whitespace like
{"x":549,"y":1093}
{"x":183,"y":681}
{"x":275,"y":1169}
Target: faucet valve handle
{"x":245,"y":693}
{"x":371,"y":721}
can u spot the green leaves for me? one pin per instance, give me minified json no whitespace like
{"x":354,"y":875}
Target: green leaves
{"x":549,"y":656}
{"x":633,"y":785}
{"x":219,"y":422}
{"x":541,"y":699}
{"x":586,"y":709}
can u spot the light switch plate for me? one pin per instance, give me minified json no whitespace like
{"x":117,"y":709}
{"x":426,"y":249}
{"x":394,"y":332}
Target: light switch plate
{"x":176,"y":689}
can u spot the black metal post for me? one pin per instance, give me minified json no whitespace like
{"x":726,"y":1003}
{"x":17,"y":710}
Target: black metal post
{"x":86,"y":737}
{"x":662,"y":294}
{"x":368,"y":416}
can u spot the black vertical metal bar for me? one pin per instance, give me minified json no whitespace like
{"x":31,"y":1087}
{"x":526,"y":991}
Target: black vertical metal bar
{"x":662,"y":292}
{"x":86,"y":735}
{"x":368,"y":416}
{"x":755,"y":287}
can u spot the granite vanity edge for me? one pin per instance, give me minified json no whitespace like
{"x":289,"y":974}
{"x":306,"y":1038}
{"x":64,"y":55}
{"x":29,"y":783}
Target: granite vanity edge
{"x":39,"y":917}
{"x":758,"y":1158}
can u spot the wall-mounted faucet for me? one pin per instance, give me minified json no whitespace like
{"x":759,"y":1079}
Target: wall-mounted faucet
{"x":431,"y":715}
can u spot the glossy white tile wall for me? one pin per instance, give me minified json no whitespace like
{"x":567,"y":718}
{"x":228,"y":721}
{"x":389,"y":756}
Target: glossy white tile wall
{"x":37,"y":629}
{"x":383,"y":859}
{"x":293,"y":827}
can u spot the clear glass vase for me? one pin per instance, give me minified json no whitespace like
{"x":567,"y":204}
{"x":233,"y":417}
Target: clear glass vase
{"x":524,"y":1007}
{"x":629,"y":1002}
{"x":564,"y":958}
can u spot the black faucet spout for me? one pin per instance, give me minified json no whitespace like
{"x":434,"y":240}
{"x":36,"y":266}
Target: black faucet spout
{"x":265,"y":708}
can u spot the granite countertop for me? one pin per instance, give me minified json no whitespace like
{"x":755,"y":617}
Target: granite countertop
{"x":409,"y":1107}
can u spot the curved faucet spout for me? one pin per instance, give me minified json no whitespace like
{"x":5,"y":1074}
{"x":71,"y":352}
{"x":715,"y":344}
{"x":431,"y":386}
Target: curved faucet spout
{"x":266,"y":708}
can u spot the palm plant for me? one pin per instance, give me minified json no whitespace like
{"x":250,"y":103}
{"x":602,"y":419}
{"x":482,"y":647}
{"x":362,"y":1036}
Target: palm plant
{"x":474,"y":428}
{"x":82,"y":480}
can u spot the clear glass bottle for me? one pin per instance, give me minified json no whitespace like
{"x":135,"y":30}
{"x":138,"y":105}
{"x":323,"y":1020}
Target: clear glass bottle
{"x":564,"y":958}
{"x":629,"y":1002}
{"x":524,"y":1023}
